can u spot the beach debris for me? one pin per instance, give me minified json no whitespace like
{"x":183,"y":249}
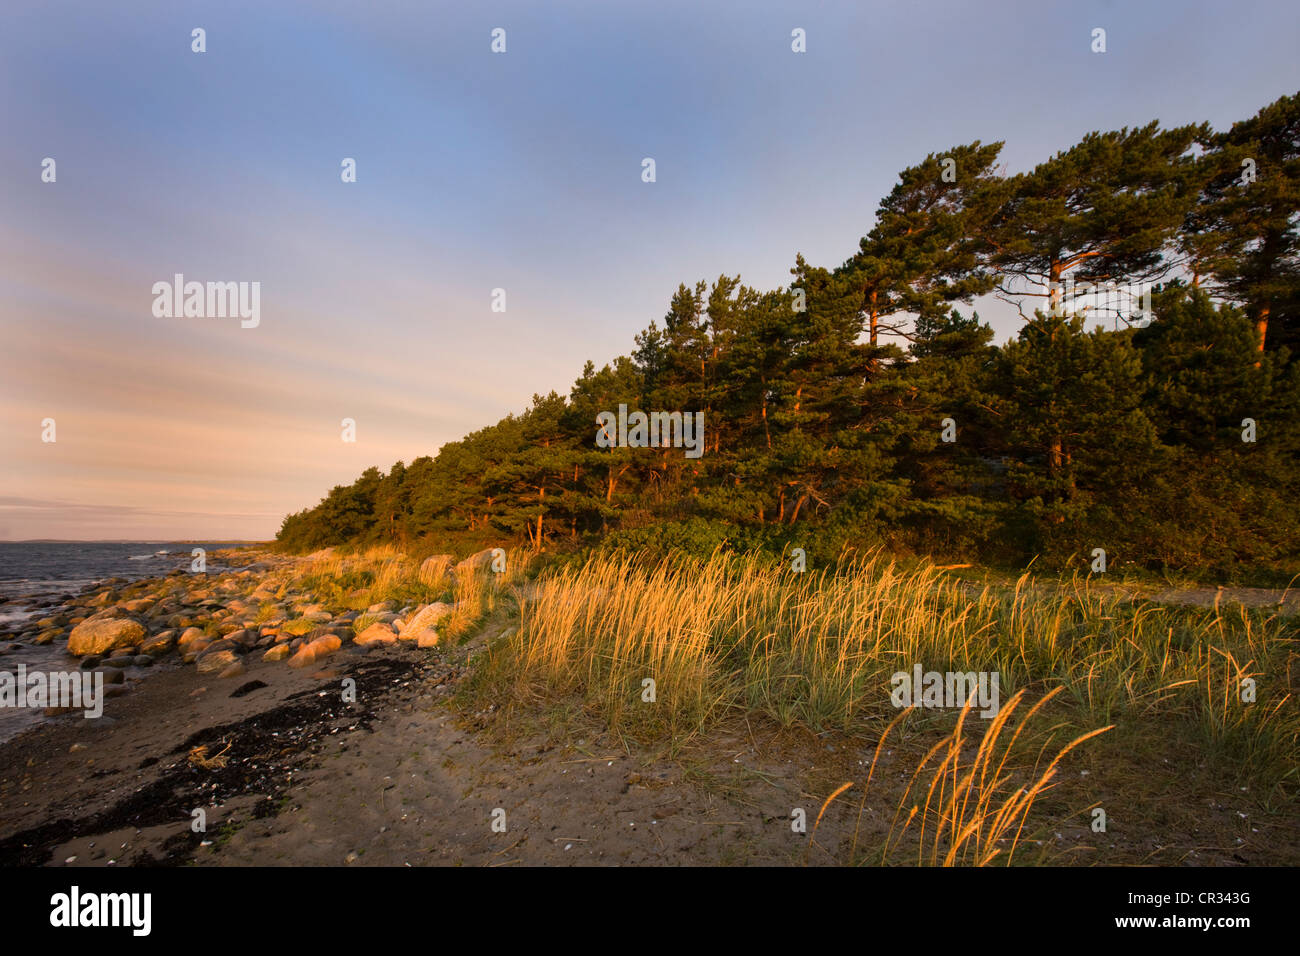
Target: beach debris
{"x":199,"y":758}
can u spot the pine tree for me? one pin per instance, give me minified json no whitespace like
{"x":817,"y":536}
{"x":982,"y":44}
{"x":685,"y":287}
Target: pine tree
{"x":1072,"y":408}
{"x":923,"y":253}
{"x":1244,"y":233}
{"x":1103,"y":210}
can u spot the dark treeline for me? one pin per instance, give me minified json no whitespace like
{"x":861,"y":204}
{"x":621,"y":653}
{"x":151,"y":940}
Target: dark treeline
{"x":1091,"y":429}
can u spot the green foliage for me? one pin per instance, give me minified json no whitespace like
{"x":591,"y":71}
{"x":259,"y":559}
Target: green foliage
{"x":819,"y":434}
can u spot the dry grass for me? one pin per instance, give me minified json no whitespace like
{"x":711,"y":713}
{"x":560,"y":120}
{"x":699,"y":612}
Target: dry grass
{"x":359,"y":581}
{"x":477,"y":595}
{"x":972,"y":814}
{"x":745,"y":634}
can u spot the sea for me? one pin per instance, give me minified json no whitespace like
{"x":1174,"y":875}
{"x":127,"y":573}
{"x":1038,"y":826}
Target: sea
{"x":35,"y":573}
{"x":44,"y":569}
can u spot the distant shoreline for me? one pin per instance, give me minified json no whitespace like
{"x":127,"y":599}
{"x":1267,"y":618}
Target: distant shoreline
{"x":236,"y":541}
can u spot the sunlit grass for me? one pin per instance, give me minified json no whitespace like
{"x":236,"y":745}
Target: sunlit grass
{"x":379,"y":574}
{"x":744,"y":634}
{"x":972,"y":813}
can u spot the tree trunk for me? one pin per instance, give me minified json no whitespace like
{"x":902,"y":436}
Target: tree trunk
{"x":1261,"y":327}
{"x":1054,"y":287}
{"x":541,"y":510}
{"x":767,"y":431}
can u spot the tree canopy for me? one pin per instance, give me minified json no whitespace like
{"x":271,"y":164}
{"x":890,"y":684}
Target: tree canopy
{"x":860,"y":404}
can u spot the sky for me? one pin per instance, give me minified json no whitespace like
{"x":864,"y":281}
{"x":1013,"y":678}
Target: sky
{"x":475,"y":171}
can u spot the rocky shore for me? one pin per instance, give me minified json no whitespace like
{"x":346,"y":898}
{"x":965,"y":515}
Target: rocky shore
{"x":253,"y":721}
{"x":176,"y":653}
{"x":216,"y":621}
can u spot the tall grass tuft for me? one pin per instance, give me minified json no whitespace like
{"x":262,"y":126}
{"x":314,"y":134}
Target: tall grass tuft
{"x":972,"y":813}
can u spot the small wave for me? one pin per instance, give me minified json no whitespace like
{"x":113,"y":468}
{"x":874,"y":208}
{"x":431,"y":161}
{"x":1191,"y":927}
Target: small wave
{"x":141,"y":557}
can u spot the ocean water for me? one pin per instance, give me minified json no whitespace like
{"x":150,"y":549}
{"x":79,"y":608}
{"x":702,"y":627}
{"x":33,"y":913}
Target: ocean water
{"x":52,"y":569}
{"x":33,"y":573}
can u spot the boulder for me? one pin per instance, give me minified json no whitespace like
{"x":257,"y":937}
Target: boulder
{"x":189,"y":634}
{"x":277,"y":653}
{"x":244,"y":637}
{"x":112,"y":612}
{"x":313,"y":651}
{"x":159,"y":644}
{"x":427,"y":638}
{"x":222,"y":644}
{"x":105,"y":634}
{"x":425,"y":617}
{"x":216,"y":662}
{"x":479,"y":561}
{"x":193,"y":649}
{"x":376,"y":633}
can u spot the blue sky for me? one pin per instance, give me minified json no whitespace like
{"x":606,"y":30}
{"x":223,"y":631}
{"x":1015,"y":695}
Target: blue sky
{"x":475,"y":171}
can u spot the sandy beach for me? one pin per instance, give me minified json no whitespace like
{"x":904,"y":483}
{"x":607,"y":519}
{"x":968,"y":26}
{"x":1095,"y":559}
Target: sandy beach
{"x":287,"y":772}
{"x":273,"y":730}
